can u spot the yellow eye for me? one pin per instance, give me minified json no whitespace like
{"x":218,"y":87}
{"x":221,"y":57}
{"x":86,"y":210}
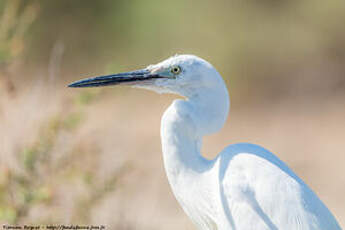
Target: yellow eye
{"x":175,"y":70}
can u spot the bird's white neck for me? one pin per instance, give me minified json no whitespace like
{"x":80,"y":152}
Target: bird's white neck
{"x":184,"y":124}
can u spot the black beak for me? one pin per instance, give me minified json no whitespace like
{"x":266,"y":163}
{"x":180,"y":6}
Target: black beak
{"x":128,"y":78}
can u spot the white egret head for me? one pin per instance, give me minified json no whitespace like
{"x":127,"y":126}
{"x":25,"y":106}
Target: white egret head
{"x":181,"y":74}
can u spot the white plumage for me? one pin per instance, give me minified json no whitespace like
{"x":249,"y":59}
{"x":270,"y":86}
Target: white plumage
{"x":245,"y":187}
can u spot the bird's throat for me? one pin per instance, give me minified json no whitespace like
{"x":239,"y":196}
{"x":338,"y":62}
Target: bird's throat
{"x":183,"y":126}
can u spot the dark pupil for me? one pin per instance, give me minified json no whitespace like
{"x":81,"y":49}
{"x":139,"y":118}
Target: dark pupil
{"x":175,"y":70}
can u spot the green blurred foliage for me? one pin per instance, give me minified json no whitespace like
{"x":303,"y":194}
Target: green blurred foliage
{"x":34,"y":183}
{"x":16,"y":18}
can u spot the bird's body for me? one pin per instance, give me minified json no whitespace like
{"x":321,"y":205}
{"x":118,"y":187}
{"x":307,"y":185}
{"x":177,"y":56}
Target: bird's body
{"x":245,"y":187}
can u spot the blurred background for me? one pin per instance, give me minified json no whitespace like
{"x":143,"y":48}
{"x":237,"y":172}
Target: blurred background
{"x":93,"y":156}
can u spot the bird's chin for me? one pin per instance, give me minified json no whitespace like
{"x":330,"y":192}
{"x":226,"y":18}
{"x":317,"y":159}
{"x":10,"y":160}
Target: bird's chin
{"x":154,"y":88}
{"x":160,"y":86}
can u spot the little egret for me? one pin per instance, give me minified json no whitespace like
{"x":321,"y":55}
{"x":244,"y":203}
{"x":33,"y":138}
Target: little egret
{"x":245,"y":187}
